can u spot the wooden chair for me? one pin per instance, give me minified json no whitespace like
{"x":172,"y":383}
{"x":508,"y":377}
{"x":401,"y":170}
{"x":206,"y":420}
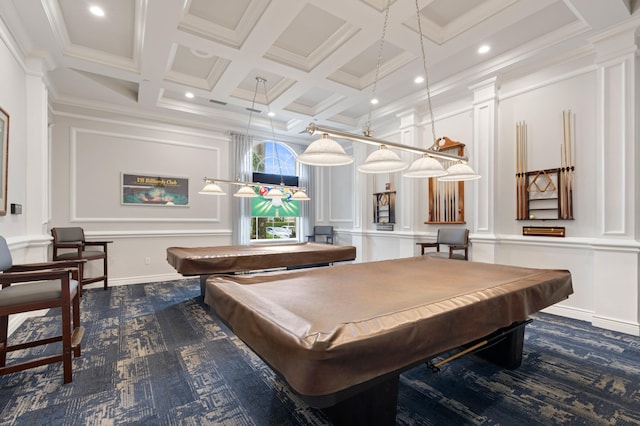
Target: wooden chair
{"x":321,"y":232}
{"x":40,"y":286}
{"x":456,"y":239}
{"x":70,"y":244}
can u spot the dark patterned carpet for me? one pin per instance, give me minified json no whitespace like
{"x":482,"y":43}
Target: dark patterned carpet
{"x":154,"y":355}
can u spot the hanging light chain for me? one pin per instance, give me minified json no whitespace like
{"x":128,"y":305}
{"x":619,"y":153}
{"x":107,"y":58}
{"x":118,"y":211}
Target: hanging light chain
{"x":253,"y":106}
{"x":375,"y":81}
{"x":273,"y":133}
{"x":426,"y":74}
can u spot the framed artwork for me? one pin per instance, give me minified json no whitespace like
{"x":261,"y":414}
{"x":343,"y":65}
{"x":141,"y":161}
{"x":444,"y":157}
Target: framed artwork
{"x":4,"y":160}
{"x":154,"y":190}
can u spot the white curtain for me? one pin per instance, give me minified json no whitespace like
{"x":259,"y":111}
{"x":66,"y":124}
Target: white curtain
{"x":242,"y":148}
{"x":306,"y":219}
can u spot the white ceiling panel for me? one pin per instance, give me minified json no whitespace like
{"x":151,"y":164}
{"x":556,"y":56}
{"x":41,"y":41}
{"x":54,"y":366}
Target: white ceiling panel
{"x":319,"y":57}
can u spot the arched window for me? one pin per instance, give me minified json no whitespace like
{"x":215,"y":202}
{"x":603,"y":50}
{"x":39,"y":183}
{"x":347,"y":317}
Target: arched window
{"x":273,"y":219}
{"x":274,"y":158}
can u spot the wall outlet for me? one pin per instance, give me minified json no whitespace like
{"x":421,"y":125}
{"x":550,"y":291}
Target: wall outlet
{"x":147,"y":261}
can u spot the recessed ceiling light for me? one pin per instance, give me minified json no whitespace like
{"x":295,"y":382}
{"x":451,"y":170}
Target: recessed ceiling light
{"x":96,"y":10}
{"x":189,"y":95}
{"x":201,"y":53}
{"x":374,"y":101}
{"x":484,"y":49}
{"x":418,"y":80}
{"x":271,"y":114}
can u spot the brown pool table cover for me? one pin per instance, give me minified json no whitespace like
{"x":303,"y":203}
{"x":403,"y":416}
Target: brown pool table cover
{"x":328,"y":329}
{"x":240,"y":258}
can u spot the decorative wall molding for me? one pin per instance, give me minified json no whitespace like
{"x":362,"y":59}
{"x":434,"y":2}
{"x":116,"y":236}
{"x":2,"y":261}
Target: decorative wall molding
{"x":157,"y":233}
{"x":73,"y":177}
{"x":171,"y":128}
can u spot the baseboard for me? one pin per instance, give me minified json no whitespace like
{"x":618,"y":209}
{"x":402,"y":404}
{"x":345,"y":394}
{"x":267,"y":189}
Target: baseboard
{"x":115,"y":282}
{"x":595,"y":320}
{"x":569,"y":312}
{"x":616,"y":325}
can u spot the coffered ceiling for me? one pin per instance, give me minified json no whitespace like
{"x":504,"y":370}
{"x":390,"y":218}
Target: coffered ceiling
{"x":319,"y":57}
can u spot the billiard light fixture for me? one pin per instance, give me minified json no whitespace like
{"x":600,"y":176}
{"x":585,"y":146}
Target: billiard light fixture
{"x":248,"y":189}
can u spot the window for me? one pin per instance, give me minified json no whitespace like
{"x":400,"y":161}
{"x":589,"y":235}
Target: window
{"x":274,"y":162}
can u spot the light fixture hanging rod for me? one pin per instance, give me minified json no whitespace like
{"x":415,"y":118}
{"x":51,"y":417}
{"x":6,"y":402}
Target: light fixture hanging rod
{"x":241,"y":183}
{"x":313,"y":129}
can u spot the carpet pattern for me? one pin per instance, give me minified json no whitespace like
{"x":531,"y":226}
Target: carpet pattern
{"x":153,"y":354}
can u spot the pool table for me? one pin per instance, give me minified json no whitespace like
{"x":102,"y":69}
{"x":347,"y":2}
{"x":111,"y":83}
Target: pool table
{"x":205,"y":261}
{"x":341,"y":336}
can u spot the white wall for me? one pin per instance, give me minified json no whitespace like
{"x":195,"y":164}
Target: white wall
{"x":90,"y":151}
{"x":13,"y":100}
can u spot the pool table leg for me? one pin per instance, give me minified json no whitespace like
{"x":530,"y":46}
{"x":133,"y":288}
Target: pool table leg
{"x":506,"y":353}
{"x":375,"y":406}
{"x":203,"y":284}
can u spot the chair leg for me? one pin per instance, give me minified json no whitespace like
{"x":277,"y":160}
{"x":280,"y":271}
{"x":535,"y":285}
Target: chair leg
{"x":66,"y":342}
{"x":80,"y":277}
{"x":106,"y":275}
{"x":4,"y":325}
{"x":76,"y":325}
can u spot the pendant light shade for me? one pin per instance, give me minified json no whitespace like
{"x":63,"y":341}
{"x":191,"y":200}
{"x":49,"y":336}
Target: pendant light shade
{"x":459,"y":171}
{"x":274,"y":193}
{"x":425,"y":167}
{"x":382,"y":160}
{"x":325,"y":152}
{"x":245,"y":192}
{"x":211,"y":188}
{"x":300,"y":196}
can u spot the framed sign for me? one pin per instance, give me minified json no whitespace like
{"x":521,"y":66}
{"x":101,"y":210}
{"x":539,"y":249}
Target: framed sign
{"x":154,"y":190}
{"x":4,"y":163}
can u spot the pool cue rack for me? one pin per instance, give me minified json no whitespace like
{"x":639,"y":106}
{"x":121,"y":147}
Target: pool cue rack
{"x":543,"y":198}
{"x":545,"y":194}
{"x":384,"y":210}
{"x":446,"y":199}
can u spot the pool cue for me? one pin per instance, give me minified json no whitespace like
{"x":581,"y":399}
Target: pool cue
{"x":437,"y":204}
{"x":563,"y":177}
{"x":459,"y":354}
{"x":450,"y":201}
{"x":517,"y":171}
{"x":570,"y":172}
{"x":454,"y":201}
{"x":432,"y":198}
{"x":565,"y":170}
{"x":525,"y":193}
{"x":522,"y":173}
{"x":436,"y":195}
{"x":560,"y":187}
{"x":447,"y":198}
{"x":450,"y":191}
{"x":443,"y":205}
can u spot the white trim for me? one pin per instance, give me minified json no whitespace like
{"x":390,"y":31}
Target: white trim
{"x":627,"y":327}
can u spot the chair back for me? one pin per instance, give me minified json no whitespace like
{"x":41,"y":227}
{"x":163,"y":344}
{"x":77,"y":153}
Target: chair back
{"x":67,"y":235}
{"x":458,"y":236}
{"x":322,"y":230}
{"x":5,"y":255}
